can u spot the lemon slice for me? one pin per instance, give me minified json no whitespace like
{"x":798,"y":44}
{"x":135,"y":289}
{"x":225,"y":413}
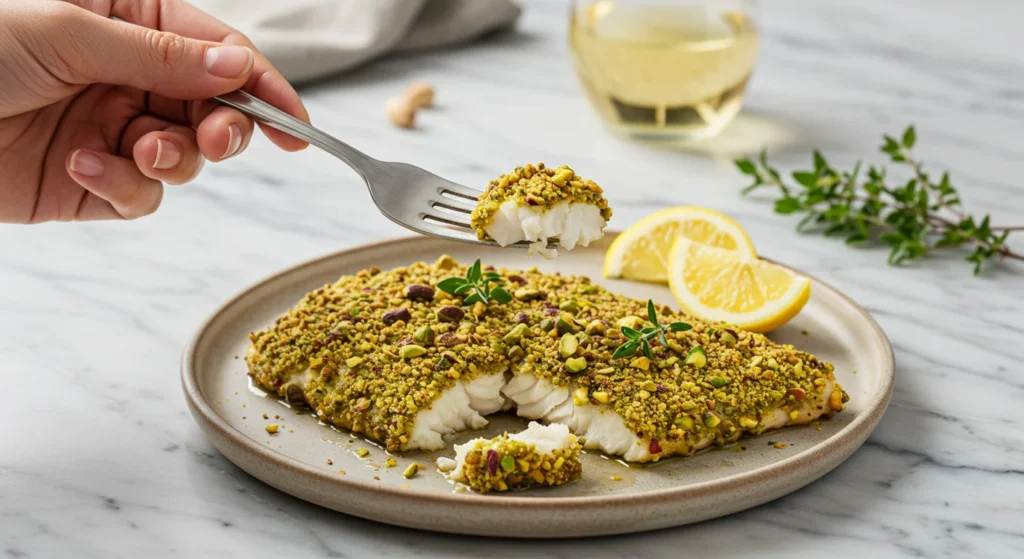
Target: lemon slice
{"x":641,"y":252}
{"x":727,"y":286}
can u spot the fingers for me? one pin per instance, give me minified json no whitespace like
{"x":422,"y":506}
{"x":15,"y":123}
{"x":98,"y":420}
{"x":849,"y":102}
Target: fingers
{"x":94,"y":49}
{"x":116,"y":181}
{"x":264,"y":80}
{"x":169,"y":155}
{"x":224,"y":133}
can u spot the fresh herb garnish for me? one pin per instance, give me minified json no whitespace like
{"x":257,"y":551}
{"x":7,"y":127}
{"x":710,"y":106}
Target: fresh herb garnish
{"x":478,"y":284}
{"x":914,"y":218}
{"x":642,"y":339}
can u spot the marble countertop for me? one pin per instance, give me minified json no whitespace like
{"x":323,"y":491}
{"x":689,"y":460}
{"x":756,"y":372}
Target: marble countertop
{"x":94,"y":316}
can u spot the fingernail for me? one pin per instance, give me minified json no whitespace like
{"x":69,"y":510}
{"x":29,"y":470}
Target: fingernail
{"x":167,"y":155}
{"x":87,"y":164}
{"x":228,"y":62}
{"x":234,"y":140}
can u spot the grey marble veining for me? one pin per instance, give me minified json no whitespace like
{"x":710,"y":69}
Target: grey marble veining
{"x":99,"y":457}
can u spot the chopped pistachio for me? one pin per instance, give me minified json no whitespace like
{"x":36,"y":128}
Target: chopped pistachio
{"x":390,"y":462}
{"x":516,"y":334}
{"x":601,"y":396}
{"x":424,"y":335}
{"x":508,"y":463}
{"x":527,"y":294}
{"x":272,"y":428}
{"x":633,"y":322}
{"x":595,"y":327}
{"x":567,"y":345}
{"x":718,"y":382}
{"x":580,"y":396}
{"x":728,"y":337}
{"x":411,"y":470}
{"x":353,"y":362}
{"x":642,"y":363}
{"x":566,"y":324}
{"x":696,"y":357}
{"x":411,"y":351}
{"x":711,"y":420}
{"x":569,"y":306}
{"x":575,"y":364}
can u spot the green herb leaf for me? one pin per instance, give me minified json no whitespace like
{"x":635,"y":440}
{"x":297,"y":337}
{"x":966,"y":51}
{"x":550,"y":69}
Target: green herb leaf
{"x":746,"y":166}
{"x":500,"y":295}
{"x":787,"y":205}
{"x":626,"y":349}
{"x":806,"y":178}
{"x":449,"y":285}
{"x":478,"y":285}
{"x":909,"y":137}
{"x":473,"y":273}
{"x":642,"y":339}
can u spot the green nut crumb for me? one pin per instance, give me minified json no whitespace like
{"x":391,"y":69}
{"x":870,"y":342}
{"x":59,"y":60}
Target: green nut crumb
{"x":411,"y":470}
{"x":411,"y":351}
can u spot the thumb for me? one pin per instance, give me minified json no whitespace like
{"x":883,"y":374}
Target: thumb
{"x":101,"y":50}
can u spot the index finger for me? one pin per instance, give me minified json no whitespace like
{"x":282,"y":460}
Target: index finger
{"x":265,"y":82}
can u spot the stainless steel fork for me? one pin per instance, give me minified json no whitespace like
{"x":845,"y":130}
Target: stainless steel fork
{"x":408,"y":195}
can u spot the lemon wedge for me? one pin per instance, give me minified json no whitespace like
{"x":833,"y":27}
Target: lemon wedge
{"x":732,"y":287}
{"x":641,"y":252}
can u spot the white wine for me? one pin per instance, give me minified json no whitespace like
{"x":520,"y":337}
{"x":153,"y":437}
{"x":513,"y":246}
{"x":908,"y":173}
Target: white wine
{"x":663,"y":70}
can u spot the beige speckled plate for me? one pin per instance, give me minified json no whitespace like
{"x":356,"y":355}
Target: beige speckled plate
{"x":305,"y":457}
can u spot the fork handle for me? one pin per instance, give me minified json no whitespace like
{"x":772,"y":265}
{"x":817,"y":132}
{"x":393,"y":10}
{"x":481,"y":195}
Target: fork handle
{"x":280,"y":120}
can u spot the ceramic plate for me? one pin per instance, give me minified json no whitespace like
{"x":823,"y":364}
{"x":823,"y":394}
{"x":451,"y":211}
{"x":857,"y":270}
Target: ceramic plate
{"x":306,"y":458}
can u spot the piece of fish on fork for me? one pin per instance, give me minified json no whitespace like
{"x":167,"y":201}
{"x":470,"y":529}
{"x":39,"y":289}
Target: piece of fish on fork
{"x":409,"y":196}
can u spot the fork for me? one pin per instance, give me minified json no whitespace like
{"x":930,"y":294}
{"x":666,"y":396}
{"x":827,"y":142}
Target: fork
{"x":409,"y":196}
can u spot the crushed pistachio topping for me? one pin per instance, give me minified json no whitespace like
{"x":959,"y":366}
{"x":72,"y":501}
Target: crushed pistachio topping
{"x":501,"y":464}
{"x":537,"y":185}
{"x":349,"y":336}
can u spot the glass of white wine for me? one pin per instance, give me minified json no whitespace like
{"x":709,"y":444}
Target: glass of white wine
{"x":665,"y":69}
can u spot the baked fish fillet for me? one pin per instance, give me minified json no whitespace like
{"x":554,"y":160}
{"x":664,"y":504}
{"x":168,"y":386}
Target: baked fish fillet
{"x":385,"y":354}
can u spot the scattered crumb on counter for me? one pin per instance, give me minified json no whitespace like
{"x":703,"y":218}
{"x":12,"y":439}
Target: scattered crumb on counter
{"x":330,"y":462}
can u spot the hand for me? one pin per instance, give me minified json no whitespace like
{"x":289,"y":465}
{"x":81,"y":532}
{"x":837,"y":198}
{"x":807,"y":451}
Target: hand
{"x":96,"y":114}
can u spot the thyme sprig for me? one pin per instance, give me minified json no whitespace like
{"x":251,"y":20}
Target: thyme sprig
{"x":642,"y":338}
{"x":478,"y":284}
{"x":913,"y":219}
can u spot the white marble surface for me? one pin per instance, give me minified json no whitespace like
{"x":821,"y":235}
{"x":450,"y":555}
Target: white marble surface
{"x":100,"y":458}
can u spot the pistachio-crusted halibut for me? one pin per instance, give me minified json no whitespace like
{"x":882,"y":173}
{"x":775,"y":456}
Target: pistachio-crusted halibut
{"x":387,"y":355}
{"x":540,"y":204}
{"x":538,"y":455}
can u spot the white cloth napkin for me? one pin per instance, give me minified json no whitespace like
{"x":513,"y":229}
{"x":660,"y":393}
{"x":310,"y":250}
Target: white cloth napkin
{"x":308,"y":39}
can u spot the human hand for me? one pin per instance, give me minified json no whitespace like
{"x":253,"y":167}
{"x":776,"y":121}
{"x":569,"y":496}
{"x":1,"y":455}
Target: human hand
{"x":96,"y":114}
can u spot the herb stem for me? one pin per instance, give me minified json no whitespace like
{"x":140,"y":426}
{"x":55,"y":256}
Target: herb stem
{"x":914,"y":219}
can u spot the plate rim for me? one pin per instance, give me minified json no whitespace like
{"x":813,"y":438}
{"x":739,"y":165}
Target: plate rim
{"x":860,"y":428}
